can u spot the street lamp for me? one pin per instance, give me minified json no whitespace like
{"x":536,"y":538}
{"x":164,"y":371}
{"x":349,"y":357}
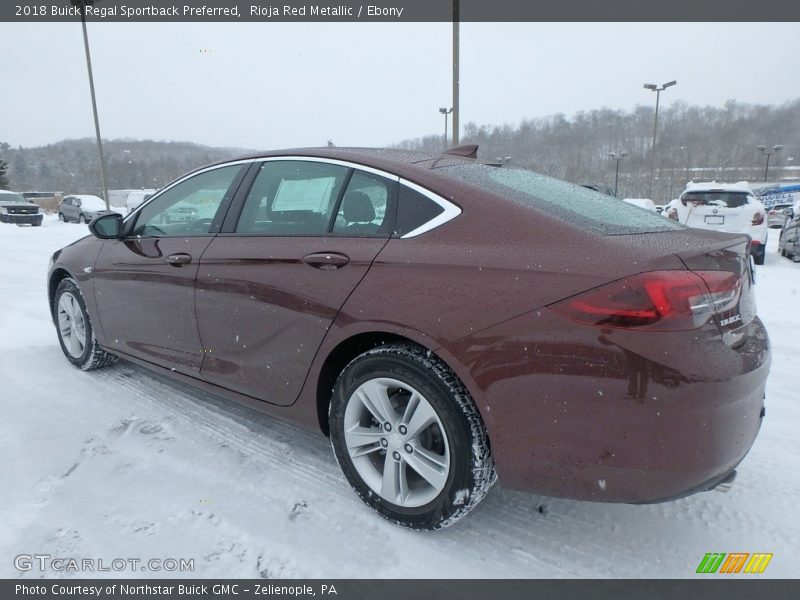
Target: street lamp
{"x":617,"y":157}
{"x":654,"y":88}
{"x":445,"y":112}
{"x":82,"y":4}
{"x":775,"y":149}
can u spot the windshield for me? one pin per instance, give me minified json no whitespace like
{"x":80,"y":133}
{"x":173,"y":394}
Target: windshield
{"x":578,"y":205}
{"x":719,"y":199}
{"x":12,"y":198}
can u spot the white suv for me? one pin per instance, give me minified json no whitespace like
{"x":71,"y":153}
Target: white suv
{"x":729,"y":207}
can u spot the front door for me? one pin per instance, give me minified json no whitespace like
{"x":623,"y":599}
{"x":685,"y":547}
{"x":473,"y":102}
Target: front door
{"x":144,"y":283}
{"x":268,"y":291}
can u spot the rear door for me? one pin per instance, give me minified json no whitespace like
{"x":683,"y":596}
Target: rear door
{"x":144,"y":283}
{"x":270,"y":285}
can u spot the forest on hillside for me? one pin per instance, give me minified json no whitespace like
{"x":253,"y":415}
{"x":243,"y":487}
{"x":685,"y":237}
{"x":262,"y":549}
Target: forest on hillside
{"x":694,"y":143}
{"x":72,"y":166}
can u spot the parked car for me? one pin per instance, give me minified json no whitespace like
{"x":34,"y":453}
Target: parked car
{"x":15,"y":208}
{"x":137,"y":197}
{"x":776,"y":215}
{"x":82,"y":208}
{"x":599,"y":187}
{"x":489,"y":321}
{"x":789,"y":241}
{"x":729,"y":207}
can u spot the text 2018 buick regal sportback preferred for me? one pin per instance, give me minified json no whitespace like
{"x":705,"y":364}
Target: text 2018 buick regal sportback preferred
{"x":445,"y":321}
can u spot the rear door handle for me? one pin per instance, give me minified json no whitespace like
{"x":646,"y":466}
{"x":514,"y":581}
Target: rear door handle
{"x":178,"y":260}
{"x":326,"y":261}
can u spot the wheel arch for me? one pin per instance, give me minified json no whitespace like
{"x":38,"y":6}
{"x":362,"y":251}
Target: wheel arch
{"x":56,"y":277}
{"x":344,"y":352}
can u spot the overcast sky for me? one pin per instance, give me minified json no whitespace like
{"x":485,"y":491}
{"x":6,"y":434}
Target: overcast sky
{"x":276,"y":85}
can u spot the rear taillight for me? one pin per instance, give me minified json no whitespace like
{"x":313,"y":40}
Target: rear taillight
{"x":658,"y":300}
{"x":758,"y":218}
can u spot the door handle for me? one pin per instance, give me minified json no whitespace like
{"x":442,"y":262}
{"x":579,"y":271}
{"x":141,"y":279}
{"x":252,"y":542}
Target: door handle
{"x":326,"y":261}
{"x":178,"y":260}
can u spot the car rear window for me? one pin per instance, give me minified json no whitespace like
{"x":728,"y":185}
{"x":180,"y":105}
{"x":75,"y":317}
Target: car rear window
{"x":719,"y":199}
{"x":577,"y":205}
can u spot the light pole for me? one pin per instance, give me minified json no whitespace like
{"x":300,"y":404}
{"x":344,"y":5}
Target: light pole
{"x":82,"y":4}
{"x":617,"y":157}
{"x":445,"y":112}
{"x":456,"y":76}
{"x":775,"y":149}
{"x":654,"y":88}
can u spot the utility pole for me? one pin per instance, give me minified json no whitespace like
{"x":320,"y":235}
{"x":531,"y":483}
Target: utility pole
{"x":445,"y":112}
{"x":82,"y":4}
{"x":775,"y":149}
{"x":456,"y":81}
{"x":654,"y":88}
{"x":617,"y":157}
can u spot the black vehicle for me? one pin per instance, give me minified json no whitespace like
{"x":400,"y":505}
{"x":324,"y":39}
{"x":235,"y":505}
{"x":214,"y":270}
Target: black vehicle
{"x":14,"y":208}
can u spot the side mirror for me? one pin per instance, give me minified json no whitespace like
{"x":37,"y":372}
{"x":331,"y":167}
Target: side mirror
{"x":788,"y":212}
{"x":107,"y":227}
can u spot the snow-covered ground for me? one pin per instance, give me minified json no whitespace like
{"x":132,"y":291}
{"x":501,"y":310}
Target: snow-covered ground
{"x":119,"y":464}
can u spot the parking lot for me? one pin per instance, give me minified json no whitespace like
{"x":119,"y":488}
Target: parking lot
{"x":120,"y":464}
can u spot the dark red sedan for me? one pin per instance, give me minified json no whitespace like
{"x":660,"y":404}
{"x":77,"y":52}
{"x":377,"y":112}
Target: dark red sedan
{"x":443,"y":320}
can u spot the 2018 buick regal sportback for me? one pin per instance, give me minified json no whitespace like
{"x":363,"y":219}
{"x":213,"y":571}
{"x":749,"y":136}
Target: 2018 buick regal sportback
{"x":444,"y":321}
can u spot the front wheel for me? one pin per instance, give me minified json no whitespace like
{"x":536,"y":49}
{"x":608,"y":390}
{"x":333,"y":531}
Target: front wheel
{"x":61,"y":217}
{"x":75,"y":333}
{"x":81,"y":218}
{"x":409,"y":438}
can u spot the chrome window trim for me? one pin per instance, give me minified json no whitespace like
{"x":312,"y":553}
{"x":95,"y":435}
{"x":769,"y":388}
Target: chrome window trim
{"x":333,"y":161}
{"x":451,"y":211}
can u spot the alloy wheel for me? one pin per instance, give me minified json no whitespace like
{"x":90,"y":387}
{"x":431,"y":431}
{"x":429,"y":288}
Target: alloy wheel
{"x":397,"y":442}
{"x":71,"y":325}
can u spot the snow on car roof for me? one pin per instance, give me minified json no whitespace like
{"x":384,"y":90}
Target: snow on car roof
{"x":704,"y":186}
{"x":87,"y":197}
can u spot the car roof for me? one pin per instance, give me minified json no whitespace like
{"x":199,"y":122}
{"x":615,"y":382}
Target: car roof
{"x":708,"y":186}
{"x":85,"y":197}
{"x":406,"y":163}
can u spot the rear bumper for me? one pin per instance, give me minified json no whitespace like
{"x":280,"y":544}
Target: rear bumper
{"x":616,"y":416}
{"x":33,"y":219}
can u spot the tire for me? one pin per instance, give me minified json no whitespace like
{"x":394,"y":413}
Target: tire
{"x":383,"y":465}
{"x":759,"y":258}
{"x":74,"y":329}
{"x":62,"y":218}
{"x":81,"y":218}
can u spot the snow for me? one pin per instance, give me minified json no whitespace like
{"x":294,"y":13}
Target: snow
{"x":119,"y":464}
{"x":91,"y":202}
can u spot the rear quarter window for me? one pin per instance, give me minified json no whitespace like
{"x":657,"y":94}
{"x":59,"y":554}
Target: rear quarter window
{"x":572,"y":203}
{"x":414,"y":210}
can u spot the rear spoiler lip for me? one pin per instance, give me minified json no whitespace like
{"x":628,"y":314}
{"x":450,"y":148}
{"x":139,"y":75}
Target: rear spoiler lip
{"x":736,"y":239}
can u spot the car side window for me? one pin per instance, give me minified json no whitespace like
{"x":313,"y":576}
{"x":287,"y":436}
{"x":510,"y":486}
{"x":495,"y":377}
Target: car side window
{"x":292,"y":198}
{"x":414,"y":210}
{"x":188,"y":208}
{"x":364,"y":210}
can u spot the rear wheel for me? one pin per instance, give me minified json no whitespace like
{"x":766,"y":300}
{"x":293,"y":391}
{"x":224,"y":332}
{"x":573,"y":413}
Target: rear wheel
{"x":409,"y":438}
{"x":75,"y":333}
